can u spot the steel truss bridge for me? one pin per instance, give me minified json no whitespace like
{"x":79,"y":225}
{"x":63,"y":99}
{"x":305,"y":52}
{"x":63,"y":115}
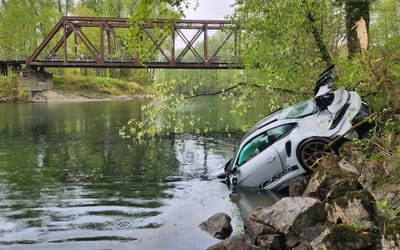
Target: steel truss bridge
{"x":99,"y":42}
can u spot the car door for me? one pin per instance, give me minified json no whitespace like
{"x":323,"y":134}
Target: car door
{"x":262,"y":169}
{"x":258,"y":162}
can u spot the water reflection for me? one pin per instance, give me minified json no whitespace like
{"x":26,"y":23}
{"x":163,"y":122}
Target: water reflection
{"x":68,"y":181}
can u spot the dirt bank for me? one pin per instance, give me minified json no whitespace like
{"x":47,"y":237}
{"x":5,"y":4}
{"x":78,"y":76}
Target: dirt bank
{"x":54,"y":96}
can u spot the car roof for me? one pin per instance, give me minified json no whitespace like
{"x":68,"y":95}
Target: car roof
{"x":283,"y":115}
{"x":269,"y":119}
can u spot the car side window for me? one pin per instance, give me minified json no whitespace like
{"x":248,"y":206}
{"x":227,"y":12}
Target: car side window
{"x":262,"y":141}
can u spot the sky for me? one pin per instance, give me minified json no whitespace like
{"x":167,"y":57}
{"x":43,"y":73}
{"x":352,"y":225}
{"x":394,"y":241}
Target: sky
{"x":209,"y":9}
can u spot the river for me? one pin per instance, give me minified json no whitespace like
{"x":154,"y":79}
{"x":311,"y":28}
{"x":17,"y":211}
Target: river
{"x":68,"y":181}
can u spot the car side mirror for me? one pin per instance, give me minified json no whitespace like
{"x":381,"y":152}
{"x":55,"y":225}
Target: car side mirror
{"x":234,"y":170}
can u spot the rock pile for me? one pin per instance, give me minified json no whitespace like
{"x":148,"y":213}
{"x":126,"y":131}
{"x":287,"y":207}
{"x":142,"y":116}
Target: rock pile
{"x":329,"y":210}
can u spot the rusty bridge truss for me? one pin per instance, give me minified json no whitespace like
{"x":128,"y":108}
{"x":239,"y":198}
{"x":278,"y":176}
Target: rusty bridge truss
{"x":107,"y":42}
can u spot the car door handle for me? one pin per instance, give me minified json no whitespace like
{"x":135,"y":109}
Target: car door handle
{"x":270,"y":159}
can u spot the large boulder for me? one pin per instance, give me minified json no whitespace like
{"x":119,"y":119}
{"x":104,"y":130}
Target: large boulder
{"x":353,"y":156}
{"x":298,"y":185}
{"x":254,"y":230}
{"x":271,"y":241}
{"x":330,"y":180}
{"x":232,"y":243}
{"x":298,"y":218}
{"x":218,"y":225}
{"x":345,"y":237}
{"x":356,"y":207}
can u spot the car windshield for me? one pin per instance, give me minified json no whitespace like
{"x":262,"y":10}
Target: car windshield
{"x":299,"y":110}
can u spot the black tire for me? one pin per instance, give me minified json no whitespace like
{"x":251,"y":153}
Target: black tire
{"x":311,"y":151}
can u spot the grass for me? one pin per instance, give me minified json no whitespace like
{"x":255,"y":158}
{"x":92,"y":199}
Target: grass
{"x":104,"y":86}
{"x":11,"y":89}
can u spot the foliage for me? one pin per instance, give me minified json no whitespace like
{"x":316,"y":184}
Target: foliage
{"x":11,"y":89}
{"x":278,"y":46}
{"x":205,"y":81}
{"x":23,"y":24}
{"x":279,"y":52}
{"x":139,"y":42}
{"x":385,"y":208}
{"x":98,"y":85}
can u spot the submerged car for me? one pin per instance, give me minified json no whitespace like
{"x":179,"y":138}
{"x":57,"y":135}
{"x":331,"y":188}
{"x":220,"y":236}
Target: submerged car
{"x":291,"y":141}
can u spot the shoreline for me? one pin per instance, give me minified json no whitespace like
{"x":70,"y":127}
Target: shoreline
{"x":57,"y":96}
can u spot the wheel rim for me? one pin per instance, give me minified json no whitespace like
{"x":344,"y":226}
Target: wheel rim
{"x":312,"y":153}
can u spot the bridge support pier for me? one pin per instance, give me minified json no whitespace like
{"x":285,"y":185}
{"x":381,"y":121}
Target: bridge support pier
{"x":36,"y":79}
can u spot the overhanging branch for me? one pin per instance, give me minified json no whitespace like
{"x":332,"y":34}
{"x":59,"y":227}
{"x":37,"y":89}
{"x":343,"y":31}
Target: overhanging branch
{"x":253,"y":85}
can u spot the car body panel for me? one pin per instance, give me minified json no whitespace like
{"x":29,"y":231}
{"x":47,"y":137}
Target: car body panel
{"x":266,"y":164}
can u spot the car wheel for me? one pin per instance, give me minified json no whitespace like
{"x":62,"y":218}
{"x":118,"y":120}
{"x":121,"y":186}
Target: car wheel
{"x":312,"y":151}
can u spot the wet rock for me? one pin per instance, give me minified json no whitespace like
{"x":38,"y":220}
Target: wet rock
{"x":345,"y":237}
{"x":232,"y":243}
{"x":271,"y":241}
{"x":218,"y":225}
{"x":298,"y":185}
{"x":391,"y":235}
{"x":330,"y":181}
{"x":297,"y":217}
{"x":254,"y":230}
{"x":356,"y":207}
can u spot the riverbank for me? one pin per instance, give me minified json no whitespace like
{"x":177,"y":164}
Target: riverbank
{"x":54,"y":96}
{"x":74,"y":88}
{"x":341,"y":205}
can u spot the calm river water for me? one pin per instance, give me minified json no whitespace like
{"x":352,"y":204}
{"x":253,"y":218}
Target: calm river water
{"x":68,"y":181}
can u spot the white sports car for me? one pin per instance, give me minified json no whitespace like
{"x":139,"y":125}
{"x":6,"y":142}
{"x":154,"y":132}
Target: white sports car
{"x":290,"y":142}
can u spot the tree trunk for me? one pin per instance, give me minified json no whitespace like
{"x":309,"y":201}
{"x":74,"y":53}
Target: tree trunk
{"x":355,"y":9}
{"x":324,"y":52}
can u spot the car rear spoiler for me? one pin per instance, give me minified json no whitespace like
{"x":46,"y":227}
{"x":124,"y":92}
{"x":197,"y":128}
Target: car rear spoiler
{"x":325,"y":81}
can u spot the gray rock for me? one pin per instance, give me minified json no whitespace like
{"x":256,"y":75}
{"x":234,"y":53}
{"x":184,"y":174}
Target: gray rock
{"x":345,"y":165}
{"x":298,"y":185}
{"x":271,"y":241}
{"x":292,"y":216}
{"x":254,"y":230}
{"x":218,"y":226}
{"x":330,"y":181}
{"x":345,"y":237}
{"x":356,"y":207}
{"x":232,"y":243}
{"x":354,"y":157}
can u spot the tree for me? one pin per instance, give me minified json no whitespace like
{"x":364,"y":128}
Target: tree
{"x":24,"y":24}
{"x":355,"y":9}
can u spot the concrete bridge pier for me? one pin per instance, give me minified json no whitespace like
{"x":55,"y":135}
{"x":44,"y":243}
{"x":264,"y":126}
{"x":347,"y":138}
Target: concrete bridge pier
{"x":36,"y":79}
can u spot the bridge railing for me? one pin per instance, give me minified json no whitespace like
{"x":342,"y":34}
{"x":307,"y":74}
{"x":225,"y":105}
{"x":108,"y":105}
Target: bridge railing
{"x":108,"y":42}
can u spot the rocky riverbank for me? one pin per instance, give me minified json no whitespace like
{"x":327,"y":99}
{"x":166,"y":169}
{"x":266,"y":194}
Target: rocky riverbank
{"x":340,"y":206}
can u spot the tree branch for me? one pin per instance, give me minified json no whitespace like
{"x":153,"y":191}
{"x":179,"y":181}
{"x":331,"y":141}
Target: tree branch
{"x":276,"y":89}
